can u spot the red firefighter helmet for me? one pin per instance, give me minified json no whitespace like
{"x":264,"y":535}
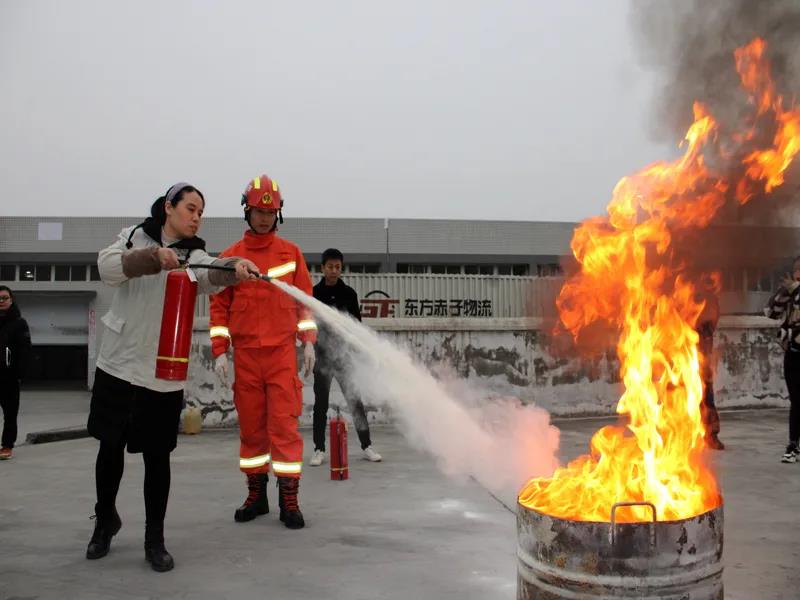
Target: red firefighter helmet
{"x":262,"y":192}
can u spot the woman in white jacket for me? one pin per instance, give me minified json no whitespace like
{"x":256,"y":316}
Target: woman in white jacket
{"x":130,"y":407}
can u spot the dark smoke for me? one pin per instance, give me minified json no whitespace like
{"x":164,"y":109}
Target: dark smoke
{"x":690,"y":45}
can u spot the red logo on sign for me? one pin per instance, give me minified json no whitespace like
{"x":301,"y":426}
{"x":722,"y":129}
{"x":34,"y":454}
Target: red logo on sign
{"x":378,"y":308}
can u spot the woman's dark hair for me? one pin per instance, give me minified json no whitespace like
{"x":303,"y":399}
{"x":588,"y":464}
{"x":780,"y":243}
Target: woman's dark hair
{"x":5,"y":288}
{"x":332,"y":254}
{"x":174,"y":195}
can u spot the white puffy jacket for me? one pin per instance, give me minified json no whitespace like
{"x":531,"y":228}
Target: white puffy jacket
{"x":133,"y":324}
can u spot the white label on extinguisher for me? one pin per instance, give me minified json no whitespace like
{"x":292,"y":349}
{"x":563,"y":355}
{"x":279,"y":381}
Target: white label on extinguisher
{"x":192,"y":276}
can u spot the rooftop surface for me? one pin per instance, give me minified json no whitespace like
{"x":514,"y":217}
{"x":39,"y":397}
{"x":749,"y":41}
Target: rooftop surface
{"x":396,"y":529}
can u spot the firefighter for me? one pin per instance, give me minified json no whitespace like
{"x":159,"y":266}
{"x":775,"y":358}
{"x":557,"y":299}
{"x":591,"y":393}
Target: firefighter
{"x":261,"y":322}
{"x":130,"y":407}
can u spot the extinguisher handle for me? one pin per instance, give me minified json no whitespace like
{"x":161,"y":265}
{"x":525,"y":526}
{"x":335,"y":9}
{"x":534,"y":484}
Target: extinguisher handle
{"x":227,"y":268}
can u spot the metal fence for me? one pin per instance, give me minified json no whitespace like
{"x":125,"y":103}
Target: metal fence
{"x":392,"y":295}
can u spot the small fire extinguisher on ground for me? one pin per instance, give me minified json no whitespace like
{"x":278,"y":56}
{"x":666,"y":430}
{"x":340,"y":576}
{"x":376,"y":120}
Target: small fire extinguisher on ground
{"x":338,"y":444}
{"x":177,"y":318}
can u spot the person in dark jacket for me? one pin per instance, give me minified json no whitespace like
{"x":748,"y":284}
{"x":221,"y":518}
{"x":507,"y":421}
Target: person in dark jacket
{"x":706,"y":326}
{"x":331,"y":290}
{"x":15,"y":344}
{"x":784,"y":304}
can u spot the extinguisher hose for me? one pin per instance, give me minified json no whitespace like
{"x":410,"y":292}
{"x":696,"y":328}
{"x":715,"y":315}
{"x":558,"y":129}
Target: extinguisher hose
{"x":225,"y":268}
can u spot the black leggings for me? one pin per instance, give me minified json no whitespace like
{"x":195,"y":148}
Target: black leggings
{"x":791,"y":371}
{"x":108,"y":473}
{"x":9,"y":401}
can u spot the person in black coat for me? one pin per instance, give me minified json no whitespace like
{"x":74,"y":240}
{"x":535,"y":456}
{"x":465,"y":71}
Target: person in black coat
{"x":784,"y":304}
{"x":706,"y":326}
{"x":15,"y":343}
{"x":331,"y":290}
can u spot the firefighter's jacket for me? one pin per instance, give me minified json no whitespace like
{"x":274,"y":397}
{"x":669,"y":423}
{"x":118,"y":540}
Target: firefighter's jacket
{"x":256,"y":314}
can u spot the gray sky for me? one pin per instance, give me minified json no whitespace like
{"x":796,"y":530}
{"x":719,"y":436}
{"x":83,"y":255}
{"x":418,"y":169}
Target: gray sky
{"x":502,"y":109}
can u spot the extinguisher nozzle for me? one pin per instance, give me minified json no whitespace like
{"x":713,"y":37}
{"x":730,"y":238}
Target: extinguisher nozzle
{"x":228,"y":268}
{"x":261,"y":276}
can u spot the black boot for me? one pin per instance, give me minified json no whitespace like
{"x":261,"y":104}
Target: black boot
{"x":287,"y":500}
{"x":154,"y":551}
{"x":256,"y":502}
{"x":107,"y":524}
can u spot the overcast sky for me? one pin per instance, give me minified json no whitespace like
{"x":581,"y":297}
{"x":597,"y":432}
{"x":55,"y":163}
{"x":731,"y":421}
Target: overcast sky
{"x":518,"y":110}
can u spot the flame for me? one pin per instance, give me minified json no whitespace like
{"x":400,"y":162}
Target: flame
{"x":630,"y":278}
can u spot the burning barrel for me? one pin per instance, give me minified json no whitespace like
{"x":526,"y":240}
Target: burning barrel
{"x":587,"y":560}
{"x":639,"y":284}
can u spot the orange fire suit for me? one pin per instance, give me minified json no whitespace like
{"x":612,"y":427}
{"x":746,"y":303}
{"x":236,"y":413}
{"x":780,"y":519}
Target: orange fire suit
{"x":262,"y":322}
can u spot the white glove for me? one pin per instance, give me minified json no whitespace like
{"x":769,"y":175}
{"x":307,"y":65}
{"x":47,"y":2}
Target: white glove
{"x":309,"y":358}
{"x":221,"y":368}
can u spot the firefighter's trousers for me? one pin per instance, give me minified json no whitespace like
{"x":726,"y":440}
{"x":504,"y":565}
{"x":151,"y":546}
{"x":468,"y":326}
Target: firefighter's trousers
{"x":268,"y":395}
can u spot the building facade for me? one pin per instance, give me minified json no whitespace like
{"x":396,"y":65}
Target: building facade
{"x":402,"y":268}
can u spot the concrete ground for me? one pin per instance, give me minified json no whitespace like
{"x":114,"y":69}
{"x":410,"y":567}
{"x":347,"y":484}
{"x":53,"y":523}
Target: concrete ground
{"x":44,"y":408}
{"x":396,"y":529}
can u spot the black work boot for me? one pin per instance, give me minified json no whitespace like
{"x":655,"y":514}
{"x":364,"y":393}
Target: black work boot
{"x":154,"y":551}
{"x":256,"y":502}
{"x":107,"y":524}
{"x":287,"y":500}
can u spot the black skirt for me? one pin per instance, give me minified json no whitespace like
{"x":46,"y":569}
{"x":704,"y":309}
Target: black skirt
{"x":143,"y":419}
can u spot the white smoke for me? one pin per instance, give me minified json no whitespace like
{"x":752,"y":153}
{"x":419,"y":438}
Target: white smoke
{"x":497,"y":441}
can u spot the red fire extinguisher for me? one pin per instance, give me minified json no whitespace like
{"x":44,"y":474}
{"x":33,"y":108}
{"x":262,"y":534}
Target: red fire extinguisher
{"x":338,"y":444}
{"x":172,"y":360}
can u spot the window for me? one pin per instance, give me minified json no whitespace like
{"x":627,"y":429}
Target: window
{"x":77,"y":273}
{"x":519,"y":270}
{"x":470,"y":269}
{"x":753,"y":280}
{"x":372,"y":268}
{"x":767,"y":283}
{"x":504,"y":269}
{"x":548,"y":270}
{"x":27,"y":273}
{"x":43,"y":272}
{"x":733,"y":281}
{"x":453,"y":269}
{"x":62,"y":273}
{"x":355,"y":268}
{"x":8,"y":272}
{"x":437,"y":269}
{"x":486,"y":269}
{"x":402,"y":267}
{"x":94,"y":273}
{"x":417,"y":268}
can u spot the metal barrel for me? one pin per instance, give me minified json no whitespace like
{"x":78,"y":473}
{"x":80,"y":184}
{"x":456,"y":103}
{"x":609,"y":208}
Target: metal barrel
{"x":560,"y":559}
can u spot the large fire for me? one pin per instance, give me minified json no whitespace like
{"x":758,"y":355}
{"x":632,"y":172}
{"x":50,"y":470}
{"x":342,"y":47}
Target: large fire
{"x":630,"y":278}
